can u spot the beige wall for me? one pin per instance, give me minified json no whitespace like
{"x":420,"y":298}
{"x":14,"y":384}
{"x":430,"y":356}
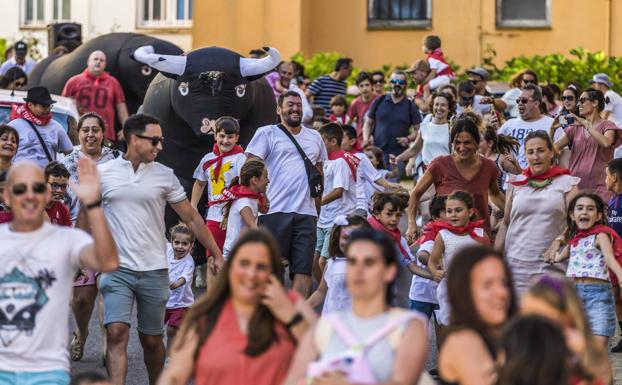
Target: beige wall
{"x":466,"y":27}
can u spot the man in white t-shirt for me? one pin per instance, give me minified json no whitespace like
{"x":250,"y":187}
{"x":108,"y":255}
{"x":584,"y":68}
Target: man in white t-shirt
{"x":135,"y":191}
{"x":469,"y":100}
{"x":38,"y":263}
{"x":292,"y":215}
{"x":530,"y":119}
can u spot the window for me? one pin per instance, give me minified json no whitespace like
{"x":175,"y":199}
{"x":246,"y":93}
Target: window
{"x":39,"y":13}
{"x":399,"y":13}
{"x":524,"y":13}
{"x":165,"y":13}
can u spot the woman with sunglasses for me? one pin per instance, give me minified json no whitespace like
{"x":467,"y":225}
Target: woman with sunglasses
{"x":592,"y":141}
{"x":570,"y":104}
{"x":14,"y":79}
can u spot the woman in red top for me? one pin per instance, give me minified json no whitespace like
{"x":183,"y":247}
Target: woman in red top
{"x":463,"y":170}
{"x":244,"y":330}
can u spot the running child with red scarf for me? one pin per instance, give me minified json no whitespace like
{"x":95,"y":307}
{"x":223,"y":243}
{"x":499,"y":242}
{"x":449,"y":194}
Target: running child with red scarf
{"x":339,"y":198}
{"x":593,"y":249}
{"x":243,"y":201}
{"x":459,"y":231}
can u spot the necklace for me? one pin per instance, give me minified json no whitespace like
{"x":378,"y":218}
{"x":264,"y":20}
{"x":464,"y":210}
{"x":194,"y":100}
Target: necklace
{"x":539,"y":184}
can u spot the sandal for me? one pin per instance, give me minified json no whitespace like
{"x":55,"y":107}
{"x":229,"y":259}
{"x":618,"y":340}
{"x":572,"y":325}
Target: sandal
{"x":76,"y":348}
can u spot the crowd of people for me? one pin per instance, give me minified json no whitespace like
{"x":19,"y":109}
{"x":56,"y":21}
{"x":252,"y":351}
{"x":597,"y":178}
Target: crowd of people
{"x":512,"y":237}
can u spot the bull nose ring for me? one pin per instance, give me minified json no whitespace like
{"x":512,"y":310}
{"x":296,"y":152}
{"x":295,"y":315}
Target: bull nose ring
{"x":183,"y":88}
{"x":146,"y":70}
{"x":240,"y":90}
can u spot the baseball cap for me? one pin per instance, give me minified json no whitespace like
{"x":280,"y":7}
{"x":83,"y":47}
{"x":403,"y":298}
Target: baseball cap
{"x":20,"y":46}
{"x":601,"y":78}
{"x":479,"y":71}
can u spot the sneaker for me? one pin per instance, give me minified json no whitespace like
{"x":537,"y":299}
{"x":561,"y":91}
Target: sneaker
{"x":617,"y":348}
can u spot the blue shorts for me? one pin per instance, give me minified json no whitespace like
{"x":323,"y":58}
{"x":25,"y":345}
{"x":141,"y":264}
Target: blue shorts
{"x":598,"y":303}
{"x":149,"y":288}
{"x":51,"y":377}
{"x":322,"y":241}
{"x":426,"y":308}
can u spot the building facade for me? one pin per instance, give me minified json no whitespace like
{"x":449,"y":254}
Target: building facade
{"x":377,"y":32}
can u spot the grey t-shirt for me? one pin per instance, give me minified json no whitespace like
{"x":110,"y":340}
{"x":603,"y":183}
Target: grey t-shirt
{"x":53,"y":134}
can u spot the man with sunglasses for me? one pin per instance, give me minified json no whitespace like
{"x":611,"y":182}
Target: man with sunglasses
{"x":135,"y":191}
{"x":530,"y":119}
{"x":38,"y":262}
{"x":389,"y":121}
{"x":468,"y":99}
{"x":479,"y":78}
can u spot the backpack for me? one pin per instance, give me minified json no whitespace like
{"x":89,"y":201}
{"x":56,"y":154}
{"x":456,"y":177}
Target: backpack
{"x":353,"y":361}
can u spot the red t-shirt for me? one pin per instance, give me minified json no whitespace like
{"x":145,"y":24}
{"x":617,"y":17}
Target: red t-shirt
{"x":6,"y":216}
{"x":99,"y":94}
{"x":59,"y":214}
{"x":448,"y":179}
{"x":358,"y":109}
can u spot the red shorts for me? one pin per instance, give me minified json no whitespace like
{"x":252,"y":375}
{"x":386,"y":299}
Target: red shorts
{"x":173,"y":317}
{"x":218,"y":233}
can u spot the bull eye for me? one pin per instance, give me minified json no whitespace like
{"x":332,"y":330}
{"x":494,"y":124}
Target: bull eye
{"x":183,"y":88}
{"x":240,"y":90}
{"x":146,"y":70}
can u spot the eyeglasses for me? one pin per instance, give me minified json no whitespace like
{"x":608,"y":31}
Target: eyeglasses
{"x":19,"y":84}
{"x":568,"y":98}
{"x":378,"y":81}
{"x":21,"y":188}
{"x":522,"y":100}
{"x":583,"y":100}
{"x":398,"y":81}
{"x":529,"y":81}
{"x":58,"y":186}
{"x":154,"y":139}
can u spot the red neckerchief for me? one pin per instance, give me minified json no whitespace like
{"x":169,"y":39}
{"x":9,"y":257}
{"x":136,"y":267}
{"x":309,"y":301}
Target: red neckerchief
{"x":236,"y":192}
{"x":218,"y":159}
{"x":438,"y":55}
{"x":553,"y":172}
{"x":351,"y":160}
{"x":395,"y":234}
{"x":597,"y":229}
{"x":22,"y":111}
{"x":97,"y":79}
{"x":469,"y":229}
{"x":429,"y":233}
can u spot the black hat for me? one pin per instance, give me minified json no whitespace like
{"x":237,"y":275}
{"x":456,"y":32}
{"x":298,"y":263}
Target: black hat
{"x":20,"y":46}
{"x":39,"y":95}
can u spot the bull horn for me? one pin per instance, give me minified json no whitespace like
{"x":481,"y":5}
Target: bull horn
{"x":172,"y":64}
{"x":254,"y":67}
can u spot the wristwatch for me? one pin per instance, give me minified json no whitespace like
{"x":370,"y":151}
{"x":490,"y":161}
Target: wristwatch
{"x":93,"y":205}
{"x":296,"y":319}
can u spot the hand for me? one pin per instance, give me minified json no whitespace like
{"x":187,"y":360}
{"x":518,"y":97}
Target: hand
{"x":439,"y":275}
{"x":120,"y":135}
{"x":87,"y":188}
{"x":403,"y":141}
{"x":486,"y":100}
{"x":412,"y":233}
{"x":215,"y":264}
{"x":275,"y":298}
{"x":396,"y":187}
{"x":548,"y":256}
{"x":392,"y":159}
{"x":331,"y":378}
{"x":491,"y":120}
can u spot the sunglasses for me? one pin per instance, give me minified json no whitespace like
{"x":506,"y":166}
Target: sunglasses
{"x":398,"y":81}
{"x":583,"y":100}
{"x":21,"y":188}
{"x":467,"y":98}
{"x":529,"y":81}
{"x":378,"y":81}
{"x":20,"y":84}
{"x":154,"y":139}
{"x":568,"y":98}
{"x":522,"y":100}
{"x":58,"y":186}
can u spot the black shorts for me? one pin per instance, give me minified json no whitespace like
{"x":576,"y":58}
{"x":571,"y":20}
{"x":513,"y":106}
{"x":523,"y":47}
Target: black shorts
{"x":295,"y":235}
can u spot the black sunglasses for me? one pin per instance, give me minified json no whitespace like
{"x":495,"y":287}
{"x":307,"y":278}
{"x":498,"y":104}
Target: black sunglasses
{"x":378,"y":81}
{"x":568,"y":98}
{"x":398,"y":81}
{"x":522,"y":100}
{"x":154,"y":139}
{"x":529,"y":81}
{"x":21,"y":188}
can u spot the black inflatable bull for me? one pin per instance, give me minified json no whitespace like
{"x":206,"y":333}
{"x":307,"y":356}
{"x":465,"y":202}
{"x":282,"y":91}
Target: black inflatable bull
{"x":194,"y":90}
{"x":54,"y":71}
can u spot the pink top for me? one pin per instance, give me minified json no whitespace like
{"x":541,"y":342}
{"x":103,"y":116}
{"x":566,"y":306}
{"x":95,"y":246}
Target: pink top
{"x":588,"y":159}
{"x":448,"y":179}
{"x":222,"y":359}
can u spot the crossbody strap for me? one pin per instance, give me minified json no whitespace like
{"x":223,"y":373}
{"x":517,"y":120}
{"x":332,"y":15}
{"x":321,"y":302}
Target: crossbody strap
{"x":45,"y":148}
{"x":304,"y":156}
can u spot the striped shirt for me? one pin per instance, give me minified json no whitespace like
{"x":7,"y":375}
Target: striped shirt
{"x":324,"y":88}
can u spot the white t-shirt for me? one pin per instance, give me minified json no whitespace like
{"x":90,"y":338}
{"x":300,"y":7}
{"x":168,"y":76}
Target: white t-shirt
{"x":366,"y":174}
{"x":229,"y":169}
{"x":422,"y":289}
{"x":436,"y":65}
{"x":288,"y":191}
{"x":519,"y":129}
{"x":235,"y":223}
{"x":435,"y":141}
{"x":478,"y":107}
{"x":134,"y":205}
{"x":337,"y":174}
{"x":37,"y":270}
{"x":614,"y":107}
{"x":178,"y":268}
{"x":26,"y":67}
{"x":372,"y":188}
{"x":53,"y":134}
{"x":337,"y":296}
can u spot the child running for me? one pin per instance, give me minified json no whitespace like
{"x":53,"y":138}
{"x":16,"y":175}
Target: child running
{"x":332,"y":290}
{"x":592,"y":247}
{"x":180,"y":272}
{"x":387,"y":210}
{"x":459,"y":231}
{"x":242,"y":201}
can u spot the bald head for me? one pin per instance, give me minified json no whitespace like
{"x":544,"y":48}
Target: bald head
{"x":24,"y":170}
{"x":96,"y":64}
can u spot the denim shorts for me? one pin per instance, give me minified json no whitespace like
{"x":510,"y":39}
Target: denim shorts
{"x":598,"y":303}
{"x":149,"y":288}
{"x":51,"y":377}
{"x":322,"y":241}
{"x":426,"y":308}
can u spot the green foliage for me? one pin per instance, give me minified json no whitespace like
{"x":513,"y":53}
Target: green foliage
{"x":3,"y":45}
{"x":556,"y":68}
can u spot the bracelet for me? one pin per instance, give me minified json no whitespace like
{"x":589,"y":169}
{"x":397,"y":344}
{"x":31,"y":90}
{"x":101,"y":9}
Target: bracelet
{"x":294,"y":321}
{"x":93,"y":205}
